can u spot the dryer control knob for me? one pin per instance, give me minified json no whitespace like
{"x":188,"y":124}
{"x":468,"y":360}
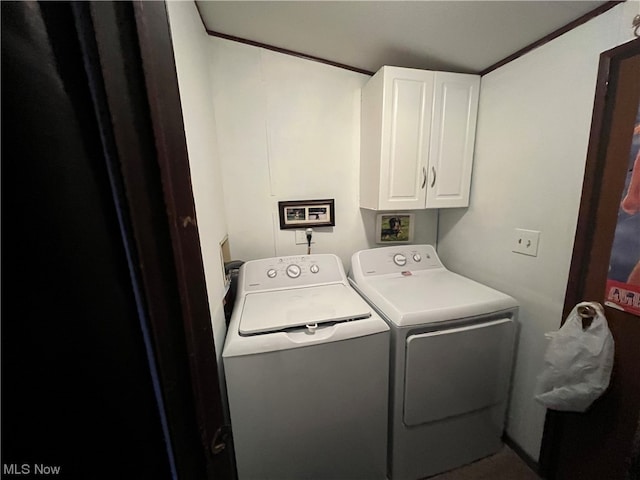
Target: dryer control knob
{"x":293,"y":271}
{"x":399,"y":259}
{"x":417,"y":257}
{"x":314,"y":268}
{"x":271,"y":273}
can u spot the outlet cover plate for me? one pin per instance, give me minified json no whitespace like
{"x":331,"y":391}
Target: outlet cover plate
{"x":526,"y":242}
{"x":301,"y":237}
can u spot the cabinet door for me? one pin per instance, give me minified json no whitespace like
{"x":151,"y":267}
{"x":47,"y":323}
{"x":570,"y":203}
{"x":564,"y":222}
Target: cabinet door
{"x":453,"y":133}
{"x":408,"y":100}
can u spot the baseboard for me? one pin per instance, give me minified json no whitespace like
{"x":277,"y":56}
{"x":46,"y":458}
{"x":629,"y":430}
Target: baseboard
{"x":526,"y":458}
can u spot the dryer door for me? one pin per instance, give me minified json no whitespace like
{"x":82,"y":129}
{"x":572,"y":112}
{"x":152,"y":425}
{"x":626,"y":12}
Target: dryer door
{"x":452,"y":372}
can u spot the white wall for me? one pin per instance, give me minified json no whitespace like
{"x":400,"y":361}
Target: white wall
{"x":190,"y":44}
{"x":289,"y":129}
{"x":533,"y":129}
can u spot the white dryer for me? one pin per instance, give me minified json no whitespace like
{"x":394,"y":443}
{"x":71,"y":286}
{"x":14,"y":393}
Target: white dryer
{"x":307,"y":370}
{"x":452,"y":344}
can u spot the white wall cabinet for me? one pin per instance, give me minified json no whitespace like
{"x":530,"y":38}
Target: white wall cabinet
{"x":417,"y":136}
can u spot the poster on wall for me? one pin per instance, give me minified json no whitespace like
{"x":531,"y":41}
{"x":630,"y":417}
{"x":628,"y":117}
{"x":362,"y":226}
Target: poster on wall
{"x":623,"y":279}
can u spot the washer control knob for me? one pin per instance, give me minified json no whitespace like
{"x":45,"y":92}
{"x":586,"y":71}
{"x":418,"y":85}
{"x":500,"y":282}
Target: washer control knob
{"x":271,"y":273}
{"x":399,"y":259}
{"x":314,"y":268}
{"x":293,"y":271}
{"x":417,"y":257}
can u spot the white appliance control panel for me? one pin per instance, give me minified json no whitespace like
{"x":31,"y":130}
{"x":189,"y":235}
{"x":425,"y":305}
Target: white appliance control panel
{"x":293,"y":271}
{"x":396,"y":259}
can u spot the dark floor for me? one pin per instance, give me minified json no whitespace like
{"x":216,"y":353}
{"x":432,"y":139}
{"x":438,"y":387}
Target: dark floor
{"x":504,"y":465}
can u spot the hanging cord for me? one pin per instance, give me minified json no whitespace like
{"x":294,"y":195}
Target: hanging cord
{"x":309,"y":233}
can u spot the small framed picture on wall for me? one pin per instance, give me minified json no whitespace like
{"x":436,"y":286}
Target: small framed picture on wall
{"x":307,"y":213}
{"x":394,"y":228}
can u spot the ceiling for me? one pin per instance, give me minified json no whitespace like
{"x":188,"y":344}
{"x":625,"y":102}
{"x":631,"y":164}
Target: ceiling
{"x":458,"y":36}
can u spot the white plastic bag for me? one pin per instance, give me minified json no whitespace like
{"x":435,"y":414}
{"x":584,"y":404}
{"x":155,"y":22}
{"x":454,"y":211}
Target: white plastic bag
{"x":578,"y":363}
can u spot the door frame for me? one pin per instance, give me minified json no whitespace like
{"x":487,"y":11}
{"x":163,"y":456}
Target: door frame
{"x":596,"y":158}
{"x":163,"y":96}
{"x":136,"y":57}
{"x":585,"y":236}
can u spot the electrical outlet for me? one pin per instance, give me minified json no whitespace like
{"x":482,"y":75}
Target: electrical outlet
{"x":526,"y":242}
{"x":301,"y":237}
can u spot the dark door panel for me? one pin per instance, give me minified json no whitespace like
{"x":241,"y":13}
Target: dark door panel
{"x":599,"y":444}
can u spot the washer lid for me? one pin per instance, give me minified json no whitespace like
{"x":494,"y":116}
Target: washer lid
{"x":432,"y":296}
{"x":278,"y":310}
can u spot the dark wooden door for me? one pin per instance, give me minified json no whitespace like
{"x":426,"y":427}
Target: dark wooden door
{"x":108,"y":361}
{"x":79,"y":395}
{"x":135,"y":52}
{"x":602,"y":442}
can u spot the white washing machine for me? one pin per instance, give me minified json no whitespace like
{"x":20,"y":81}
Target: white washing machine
{"x":306,"y":363}
{"x":452,"y":344}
